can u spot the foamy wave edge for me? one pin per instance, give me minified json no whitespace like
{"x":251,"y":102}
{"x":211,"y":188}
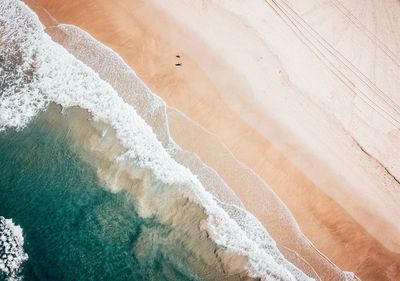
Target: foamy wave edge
{"x":43,"y":71}
{"x":12,"y":254}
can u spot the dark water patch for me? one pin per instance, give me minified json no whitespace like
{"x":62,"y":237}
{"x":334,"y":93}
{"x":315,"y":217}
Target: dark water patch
{"x":74,"y":228}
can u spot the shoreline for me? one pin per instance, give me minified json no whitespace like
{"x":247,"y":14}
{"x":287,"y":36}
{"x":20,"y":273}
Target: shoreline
{"x":281,"y":173}
{"x":280,"y":222}
{"x":223,"y":234}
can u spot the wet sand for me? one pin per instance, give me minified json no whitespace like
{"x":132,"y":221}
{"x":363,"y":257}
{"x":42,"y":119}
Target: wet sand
{"x":151,"y":48}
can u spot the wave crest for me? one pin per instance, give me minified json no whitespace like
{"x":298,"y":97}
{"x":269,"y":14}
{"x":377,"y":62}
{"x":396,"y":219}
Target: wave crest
{"x":12,"y":254}
{"x":222,"y":235}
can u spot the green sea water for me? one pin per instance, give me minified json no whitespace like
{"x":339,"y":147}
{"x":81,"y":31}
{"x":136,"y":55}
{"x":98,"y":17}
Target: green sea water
{"x":74,"y":228}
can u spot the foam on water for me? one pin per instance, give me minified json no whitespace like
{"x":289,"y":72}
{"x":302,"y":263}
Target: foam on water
{"x":74,"y":228}
{"x":35,"y":71}
{"x":12,"y":253}
{"x":111,"y":68}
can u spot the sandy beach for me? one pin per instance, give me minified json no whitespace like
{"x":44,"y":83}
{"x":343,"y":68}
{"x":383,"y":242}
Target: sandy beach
{"x":288,"y":96}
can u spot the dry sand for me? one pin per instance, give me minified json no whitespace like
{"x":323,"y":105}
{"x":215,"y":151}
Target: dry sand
{"x":298,"y":132}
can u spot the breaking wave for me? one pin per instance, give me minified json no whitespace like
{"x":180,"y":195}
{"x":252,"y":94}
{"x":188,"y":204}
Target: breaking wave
{"x":12,"y":254}
{"x":131,"y":154}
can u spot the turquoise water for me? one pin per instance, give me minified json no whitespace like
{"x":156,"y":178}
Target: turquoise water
{"x":74,"y":228}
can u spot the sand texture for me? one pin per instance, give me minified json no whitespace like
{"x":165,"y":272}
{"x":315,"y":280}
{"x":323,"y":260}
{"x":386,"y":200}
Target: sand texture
{"x":305,"y":93}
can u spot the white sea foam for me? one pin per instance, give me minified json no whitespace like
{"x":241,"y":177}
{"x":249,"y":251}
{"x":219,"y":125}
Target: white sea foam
{"x":12,"y":253}
{"x":35,"y":71}
{"x":111,"y":68}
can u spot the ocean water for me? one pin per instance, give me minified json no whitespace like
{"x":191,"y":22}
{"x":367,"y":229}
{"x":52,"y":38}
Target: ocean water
{"x":74,"y":228}
{"x":99,"y":195}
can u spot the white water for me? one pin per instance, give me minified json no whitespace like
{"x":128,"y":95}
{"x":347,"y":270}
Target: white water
{"x":281,"y":224}
{"x":36,"y":71}
{"x":12,"y":253}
